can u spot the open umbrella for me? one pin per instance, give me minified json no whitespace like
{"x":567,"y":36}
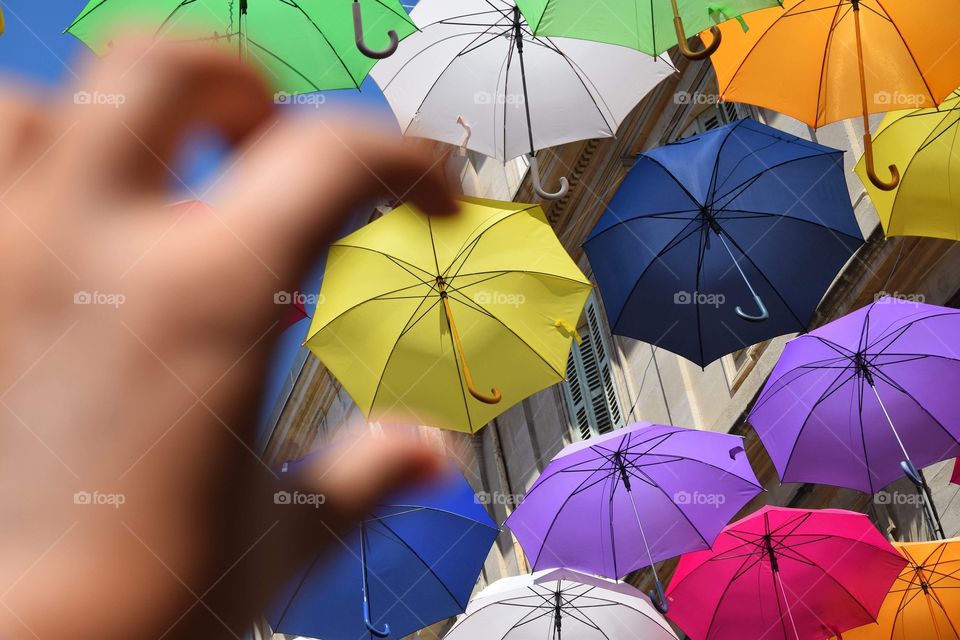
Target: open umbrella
{"x":414,"y":309}
{"x":560,"y":604}
{"x":701,"y":229}
{"x":475,"y":76}
{"x":785,"y":574}
{"x":412,"y":562}
{"x":648,"y":26}
{"x":303,"y":47}
{"x":925,"y":600}
{"x":926,"y":143}
{"x":826,"y":60}
{"x":626,"y":500}
{"x":866,"y":398}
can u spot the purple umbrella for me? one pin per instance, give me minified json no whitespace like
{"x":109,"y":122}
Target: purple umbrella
{"x":634,"y":497}
{"x":866,"y":398}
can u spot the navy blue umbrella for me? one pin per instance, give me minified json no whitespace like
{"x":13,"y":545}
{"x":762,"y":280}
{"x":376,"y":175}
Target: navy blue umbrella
{"x":723,"y":240}
{"x":411,"y":563}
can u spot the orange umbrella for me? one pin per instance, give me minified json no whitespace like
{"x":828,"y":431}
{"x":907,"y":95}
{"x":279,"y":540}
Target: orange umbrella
{"x":826,"y":60}
{"x":924,"y":602}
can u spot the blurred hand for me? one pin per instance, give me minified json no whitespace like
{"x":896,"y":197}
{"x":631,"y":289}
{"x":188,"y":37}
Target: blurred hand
{"x":133,"y":503}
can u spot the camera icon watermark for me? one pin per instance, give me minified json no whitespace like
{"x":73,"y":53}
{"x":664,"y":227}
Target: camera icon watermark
{"x":315,"y":100}
{"x":298,"y":297}
{"x":715,"y":300}
{"x":98,"y":99}
{"x":499,"y":298}
{"x":698,"y":498}
{"x":899,"y":99}
{"x":299,"y":499}
{"x":498,"y":498}
{"x":898,"y":498}
{"x":695,"y":98}
{"x":99,"y":499}
{"x":498,"y":99}
{"x":99,"y":298}
{"x":897,"y":296}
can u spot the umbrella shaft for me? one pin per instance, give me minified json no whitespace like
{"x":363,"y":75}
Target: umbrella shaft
{"x":643,"y":536}
{"x":783,"y":592}
{"x":736,"y":264}
{"x":890,"y":422}
{"x":518,"y":41}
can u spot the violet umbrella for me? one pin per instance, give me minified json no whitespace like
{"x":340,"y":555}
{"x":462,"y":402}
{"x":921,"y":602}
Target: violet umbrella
{"x":785,"y":574}
{"x":866,"y":399}
{"x":631,"y":498}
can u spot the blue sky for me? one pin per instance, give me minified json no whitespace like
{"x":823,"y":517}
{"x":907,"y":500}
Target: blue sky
{"x":34,"y":49}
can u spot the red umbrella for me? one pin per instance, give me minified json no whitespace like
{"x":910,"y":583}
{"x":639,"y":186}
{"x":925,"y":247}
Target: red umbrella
{"x":785,"y":574}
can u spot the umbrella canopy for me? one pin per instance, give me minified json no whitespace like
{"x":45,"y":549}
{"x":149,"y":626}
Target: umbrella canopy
{"x":413,"y":309}
{"x":414,"y":561}
{"x":475,"y":76}
{"x":560,"y":604}
{"x":850,"y":401}
{"x":613,"y":504}
{"x":841,"y":58}
{"x":925,"y":600}
{"x":651,"y":27}
{"x":703,"y":231}
{"x":301,"y":47}
{"x":925,"y":143}
{"x":785,"y":574}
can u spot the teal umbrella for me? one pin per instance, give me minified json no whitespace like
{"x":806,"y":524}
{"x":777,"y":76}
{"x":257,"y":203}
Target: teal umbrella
{"x":301,"y":46}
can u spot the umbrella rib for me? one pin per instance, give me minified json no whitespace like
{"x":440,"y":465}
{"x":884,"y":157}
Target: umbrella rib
{"x":827,"y":47}
{"x":480,"y":233}
{"x":909,"y":325}
{"x":418,"y":508}
{"x":886,"y":377}
{"x":663,"y":215}
{"x":290,"y":66}
{"x":403,"y":264}
{"x":706,"y":464}
{"x":838,"y":583}
{"x":909,"y":51}
{"x":521,"y":271}
{"x":782,"y":384}
{"x":790,"y":218}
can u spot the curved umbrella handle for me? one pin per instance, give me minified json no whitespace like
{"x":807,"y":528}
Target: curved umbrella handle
{"x":912,"y":473}
{"x":380,"y":633}
{"x":538,"y":186}
{"x":495,"y":396}
{"x":358,"y":34}
{"x":468,"y":133}
{"x":878,"y":182}
{"x":682,"y":44}
{"x":659,"y":598}
{"x":761,"y":317}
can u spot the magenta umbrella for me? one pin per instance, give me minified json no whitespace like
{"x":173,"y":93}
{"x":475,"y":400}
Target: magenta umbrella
{"x":865,"y":399}
{"x":785,"y":574}
{"x":631,"y":498}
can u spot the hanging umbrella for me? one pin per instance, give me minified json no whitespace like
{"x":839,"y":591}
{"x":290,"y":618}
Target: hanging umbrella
{"x":785,"y":574}
{"x":626,"y":500}
{"x":475,"y":76}
{"x":414,"y":309}
{"x":704,"y":228}
{"x":414,"y":561}
{"x":651,"y":26}
{"x":866,"y":398}
{"x":925,"y":600}
{"x":560,"y":604}
{"x":305,"y":47}
{"x":925,"y":143}
{"x":826,"y":60}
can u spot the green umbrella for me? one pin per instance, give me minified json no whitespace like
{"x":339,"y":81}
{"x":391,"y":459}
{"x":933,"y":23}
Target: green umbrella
{"x":302,"y":46}
{"x":651,"y":26}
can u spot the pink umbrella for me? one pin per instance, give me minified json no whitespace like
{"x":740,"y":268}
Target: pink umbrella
{"x":785,"y":574}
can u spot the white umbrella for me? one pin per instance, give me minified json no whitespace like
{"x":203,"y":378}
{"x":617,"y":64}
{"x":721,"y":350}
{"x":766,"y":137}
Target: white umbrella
{"x":557,"y":604}
{"x":475,"y":76}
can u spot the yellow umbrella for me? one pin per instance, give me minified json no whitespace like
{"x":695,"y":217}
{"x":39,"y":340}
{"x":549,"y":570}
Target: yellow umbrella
{"x":414,"y":309}
{"x":826,"y":60}
{"x":924,"y":602}
{"x":926,"y":143}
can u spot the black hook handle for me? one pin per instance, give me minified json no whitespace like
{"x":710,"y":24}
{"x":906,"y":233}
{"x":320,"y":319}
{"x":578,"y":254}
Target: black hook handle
{"x":659,"y":598}
{"x":358,"y":34}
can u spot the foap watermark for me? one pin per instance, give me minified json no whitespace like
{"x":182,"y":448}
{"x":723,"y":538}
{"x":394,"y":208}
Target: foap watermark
{"x":315,"y":100}
{"x":99,"y":499}
{"x":299,"y":499}
{"x":899,"y":99}
{"x":99,"y":298}
{"x":498,"y":498}
{"x":695,"y":98}
{"x":298,"y":297}
{"x":499,"y":99}
{"x":898,"y":296}
{"x":99,"y":99}
{"x":715,"y":300}
{"x":499,"y":298}
{"x":698,"y":498}
{"x":898,"y":498}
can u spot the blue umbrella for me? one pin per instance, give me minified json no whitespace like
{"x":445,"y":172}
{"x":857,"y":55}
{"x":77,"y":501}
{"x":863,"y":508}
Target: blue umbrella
{"x":723,"y":240}
{"x":411,"y":563}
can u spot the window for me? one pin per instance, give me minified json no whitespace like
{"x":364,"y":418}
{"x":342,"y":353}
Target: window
{"x":715,"y":117}
{"x":590,"y":390}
